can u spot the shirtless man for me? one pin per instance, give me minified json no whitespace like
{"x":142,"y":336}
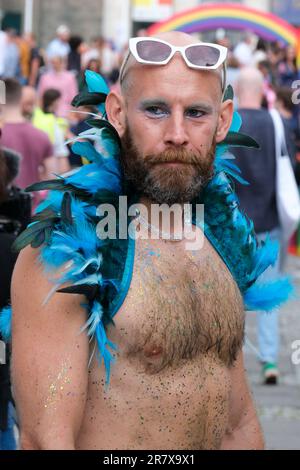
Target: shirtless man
{"x":179,"y":380}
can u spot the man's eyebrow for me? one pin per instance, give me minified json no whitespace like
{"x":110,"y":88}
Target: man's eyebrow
{"x":160,"y":102}
{"x":153,"y":102}
{"x":203,"y":106}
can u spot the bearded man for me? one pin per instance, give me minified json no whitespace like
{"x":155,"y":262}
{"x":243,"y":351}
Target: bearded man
{"x":178,"y":380}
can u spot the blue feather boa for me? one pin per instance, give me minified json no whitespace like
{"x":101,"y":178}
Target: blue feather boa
{"x":65,"y":229}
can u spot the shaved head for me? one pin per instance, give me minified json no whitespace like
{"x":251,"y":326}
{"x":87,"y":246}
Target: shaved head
{"x":28,"y":101}
{"x":250,"y":80}
{"x":176,"y":38}
{"x":249,"y":87}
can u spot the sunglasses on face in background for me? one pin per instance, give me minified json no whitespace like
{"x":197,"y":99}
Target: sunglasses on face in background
{"x":152,"y":51}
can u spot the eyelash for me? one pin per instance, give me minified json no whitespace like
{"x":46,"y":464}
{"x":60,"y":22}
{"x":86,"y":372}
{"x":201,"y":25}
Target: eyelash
{"x":198,"y":111}
{"x":152,"y":111}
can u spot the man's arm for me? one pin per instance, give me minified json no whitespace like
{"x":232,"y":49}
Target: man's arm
{"x":49,"y":359}
{"x":34,"y":71}
{"x":244,"y":431}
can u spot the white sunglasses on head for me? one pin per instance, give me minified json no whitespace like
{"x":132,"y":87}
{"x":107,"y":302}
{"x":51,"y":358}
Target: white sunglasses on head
{"x":153,"y":51}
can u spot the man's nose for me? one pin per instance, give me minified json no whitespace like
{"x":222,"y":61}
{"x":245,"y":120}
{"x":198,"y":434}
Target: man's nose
{"x":176,"y":132}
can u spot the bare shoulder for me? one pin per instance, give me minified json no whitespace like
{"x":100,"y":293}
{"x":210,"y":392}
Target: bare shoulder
{"x":31,"y":285}
{"x":30,"y":280}
{"x":27,"y":268}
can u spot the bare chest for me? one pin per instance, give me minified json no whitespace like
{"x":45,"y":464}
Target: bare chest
{"x":180,"y":305}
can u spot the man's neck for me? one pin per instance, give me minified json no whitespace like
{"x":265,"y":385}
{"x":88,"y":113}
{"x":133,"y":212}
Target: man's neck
{"x":12,"y":115}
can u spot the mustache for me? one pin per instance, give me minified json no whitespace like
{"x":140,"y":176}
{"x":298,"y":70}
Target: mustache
{"x":173,"y":156}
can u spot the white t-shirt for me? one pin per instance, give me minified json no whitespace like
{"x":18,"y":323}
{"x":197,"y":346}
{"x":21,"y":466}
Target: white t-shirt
{"x":243,"y":53}
{"x":57,"y":48}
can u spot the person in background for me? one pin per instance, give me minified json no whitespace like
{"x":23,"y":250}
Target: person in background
{"x":288,"y":113}
{"x":258,"y":168}
{"x":74,"y":56}
{"x":15,"y":204}
{"x":12,"y":56}
{"x":287,"y":68}
{"x":15,"y":210}
{"x":103,"y":51}
{"x":91,"y":53}
{"x":260,"y":52}
{"x":45,"y":119}
{"x":20,"y":135}
{"x":63,"y":81}
{"x":25,"y":52}
{"x":109,"y":58}
{"x":275,"y":55}
{"x":59,"y":47}
{"x":222,"y":39}
{"x":94,"y":65}
{"x":28,"y":102}
{"x":243,"y":52}
{"x":269,"y":94}
{"x":36,"y":60}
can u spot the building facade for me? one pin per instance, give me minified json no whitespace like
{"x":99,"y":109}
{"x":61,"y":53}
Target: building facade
{"x":85,"y":18}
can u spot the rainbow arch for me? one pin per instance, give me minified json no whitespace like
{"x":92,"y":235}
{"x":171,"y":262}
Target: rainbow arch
{"x":231,"y":16}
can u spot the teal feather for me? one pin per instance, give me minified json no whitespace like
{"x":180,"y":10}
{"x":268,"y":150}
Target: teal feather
{"x":5,"y":323}
{"x":229,"y":94}
{"x":89,"y":99}
{"x":237,"y":139}
{"x":104,"y":353}
{"x":87,"y":150}
{"x":269,"y":295}
{"x":236,"y":122}
{"x":96,"y":83}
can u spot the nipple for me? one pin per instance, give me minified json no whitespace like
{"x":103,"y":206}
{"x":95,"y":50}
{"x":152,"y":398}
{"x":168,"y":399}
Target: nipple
{"x":153,"y":351}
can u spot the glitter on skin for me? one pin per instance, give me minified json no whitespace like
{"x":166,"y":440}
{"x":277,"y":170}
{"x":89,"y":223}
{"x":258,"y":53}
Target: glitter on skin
{"x":58,"y":384}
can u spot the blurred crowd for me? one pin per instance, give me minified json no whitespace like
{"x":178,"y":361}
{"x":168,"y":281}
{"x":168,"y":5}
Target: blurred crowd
{"x":278,"y":65}
{"x":47,"y":79}
{"x":37,"y":117}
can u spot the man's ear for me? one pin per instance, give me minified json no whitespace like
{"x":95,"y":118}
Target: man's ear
{"x":115,"y":109}
{"x":225,"y":119}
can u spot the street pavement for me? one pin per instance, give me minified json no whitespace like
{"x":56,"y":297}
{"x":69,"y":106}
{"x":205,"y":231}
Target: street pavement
{"x":278,"y":405}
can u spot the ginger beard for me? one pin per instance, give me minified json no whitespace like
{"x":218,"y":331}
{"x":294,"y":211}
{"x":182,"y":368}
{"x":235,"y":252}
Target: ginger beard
{"x":164,"y":183}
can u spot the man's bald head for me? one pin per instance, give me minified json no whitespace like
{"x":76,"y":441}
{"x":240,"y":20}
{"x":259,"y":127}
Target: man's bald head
{"x":28,"y":92}
{"x":250,"y":78}
{"x":28,"y":101}
{"x":250,"y":87}
{"x":175,"y":38}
